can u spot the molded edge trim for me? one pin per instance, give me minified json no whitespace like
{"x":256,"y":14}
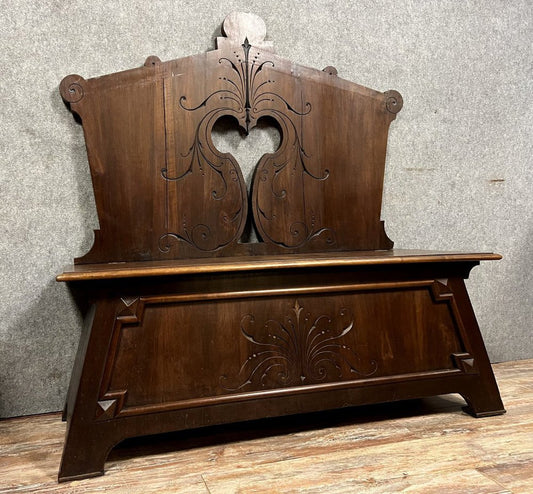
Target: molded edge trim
{"x":89,"y":272}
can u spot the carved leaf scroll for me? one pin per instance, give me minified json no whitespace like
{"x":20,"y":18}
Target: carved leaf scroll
{"x":247,"y":90}
{"x":300,"y":349}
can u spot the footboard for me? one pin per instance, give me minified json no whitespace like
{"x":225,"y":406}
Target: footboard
{"x":195,"y":349}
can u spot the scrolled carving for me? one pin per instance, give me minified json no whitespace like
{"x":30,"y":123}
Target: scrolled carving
{"x":248,"y":92}
{"x":393,"y":101}
{"x":300,"y":349}
{"x":71,"y":88}
{"x":199,"y":236}
{"x":280,"y":183}
{"x":203,"y":163}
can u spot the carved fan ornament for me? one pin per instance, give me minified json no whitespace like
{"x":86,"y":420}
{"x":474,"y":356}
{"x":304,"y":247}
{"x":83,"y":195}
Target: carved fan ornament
{"x":300,"y":349}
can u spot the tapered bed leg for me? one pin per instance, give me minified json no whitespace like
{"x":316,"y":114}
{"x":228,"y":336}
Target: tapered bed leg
{"x":481,"y":392}
{"x":87,"y":442}
{"x":483,"y":399}
{"x":84,"y":454}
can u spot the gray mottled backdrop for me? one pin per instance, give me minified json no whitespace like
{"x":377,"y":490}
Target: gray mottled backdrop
{"x":459,"y":158}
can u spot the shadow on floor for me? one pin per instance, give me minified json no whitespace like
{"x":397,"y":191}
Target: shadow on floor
{"x":271,"y":427}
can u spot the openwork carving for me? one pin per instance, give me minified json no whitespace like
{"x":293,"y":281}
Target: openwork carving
{"x":205,"y":164}
{"x":279,"y":186}
{"x":248,"y":93}
{"x":298,"y":350}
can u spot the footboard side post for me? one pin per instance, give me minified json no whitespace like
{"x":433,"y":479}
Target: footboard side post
{"x":482,"y":395}
{"x":86,"y":444}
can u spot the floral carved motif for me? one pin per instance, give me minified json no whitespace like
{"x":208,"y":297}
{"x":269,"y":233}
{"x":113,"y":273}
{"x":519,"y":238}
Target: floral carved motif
{"x":248,"y":91}
{"x":300,"y":349}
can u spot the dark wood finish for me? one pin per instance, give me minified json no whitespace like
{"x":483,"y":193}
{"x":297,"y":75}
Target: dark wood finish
{"x":85,"y":272}
{"x":189,"y":325}
{"x":163,"y":191}
{"x":350,"y":450}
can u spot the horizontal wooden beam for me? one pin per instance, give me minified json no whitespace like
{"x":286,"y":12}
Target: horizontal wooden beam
{"x":101,"y":271}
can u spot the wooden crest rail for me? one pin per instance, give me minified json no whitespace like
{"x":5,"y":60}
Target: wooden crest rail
{"x":188,"y":323}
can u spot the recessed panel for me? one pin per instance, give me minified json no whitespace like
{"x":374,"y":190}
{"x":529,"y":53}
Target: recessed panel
{"x":213,"y":348}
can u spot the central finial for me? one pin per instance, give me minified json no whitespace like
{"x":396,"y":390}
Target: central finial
{"x":239,"y":26}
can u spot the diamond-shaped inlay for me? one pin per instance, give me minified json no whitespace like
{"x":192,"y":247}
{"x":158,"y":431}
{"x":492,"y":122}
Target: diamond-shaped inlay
{"x":128,"y":301}
{"x":440,"y":290}
{"x":129,"y":312}
{"x":468,"y":363}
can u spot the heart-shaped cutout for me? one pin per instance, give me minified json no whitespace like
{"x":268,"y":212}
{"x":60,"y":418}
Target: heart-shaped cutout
{"x":264,"y":138}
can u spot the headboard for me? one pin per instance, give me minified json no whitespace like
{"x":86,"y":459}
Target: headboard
{"x":164,"y":191}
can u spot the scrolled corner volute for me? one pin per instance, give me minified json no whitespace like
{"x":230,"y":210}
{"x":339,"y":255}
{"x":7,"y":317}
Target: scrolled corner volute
{"x":72,"y":88}
{"x":393,"y":101}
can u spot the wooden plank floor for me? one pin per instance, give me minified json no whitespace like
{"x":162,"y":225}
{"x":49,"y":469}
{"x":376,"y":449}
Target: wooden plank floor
{"x":427,"y":446}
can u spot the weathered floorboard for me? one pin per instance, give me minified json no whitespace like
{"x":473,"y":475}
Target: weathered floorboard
{"x":429,"y":446}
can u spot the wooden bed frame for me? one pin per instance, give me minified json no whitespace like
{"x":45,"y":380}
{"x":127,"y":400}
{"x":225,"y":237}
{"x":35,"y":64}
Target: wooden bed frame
{"x":188,"y":323}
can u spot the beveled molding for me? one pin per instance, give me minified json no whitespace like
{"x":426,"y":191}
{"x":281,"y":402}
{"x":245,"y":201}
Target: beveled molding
{"x":130,"y":310}
{"x":213,"y":265}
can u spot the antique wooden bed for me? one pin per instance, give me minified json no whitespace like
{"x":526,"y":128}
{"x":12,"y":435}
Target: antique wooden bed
{"x":188,"y":323}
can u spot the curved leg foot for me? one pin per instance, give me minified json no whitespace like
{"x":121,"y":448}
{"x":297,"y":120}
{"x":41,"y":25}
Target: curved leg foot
{"x":85,"y":453}
{"x":481,"y":403}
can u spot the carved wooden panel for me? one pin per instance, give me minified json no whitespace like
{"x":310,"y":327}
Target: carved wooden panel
{"x":194,"y":352}
{"x":163,"y":190}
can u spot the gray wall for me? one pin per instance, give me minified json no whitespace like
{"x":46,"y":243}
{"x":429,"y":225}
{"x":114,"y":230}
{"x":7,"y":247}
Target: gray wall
{"x":458,"y":175}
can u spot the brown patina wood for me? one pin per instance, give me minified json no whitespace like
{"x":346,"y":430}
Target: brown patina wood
{"x":188,"y":323}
